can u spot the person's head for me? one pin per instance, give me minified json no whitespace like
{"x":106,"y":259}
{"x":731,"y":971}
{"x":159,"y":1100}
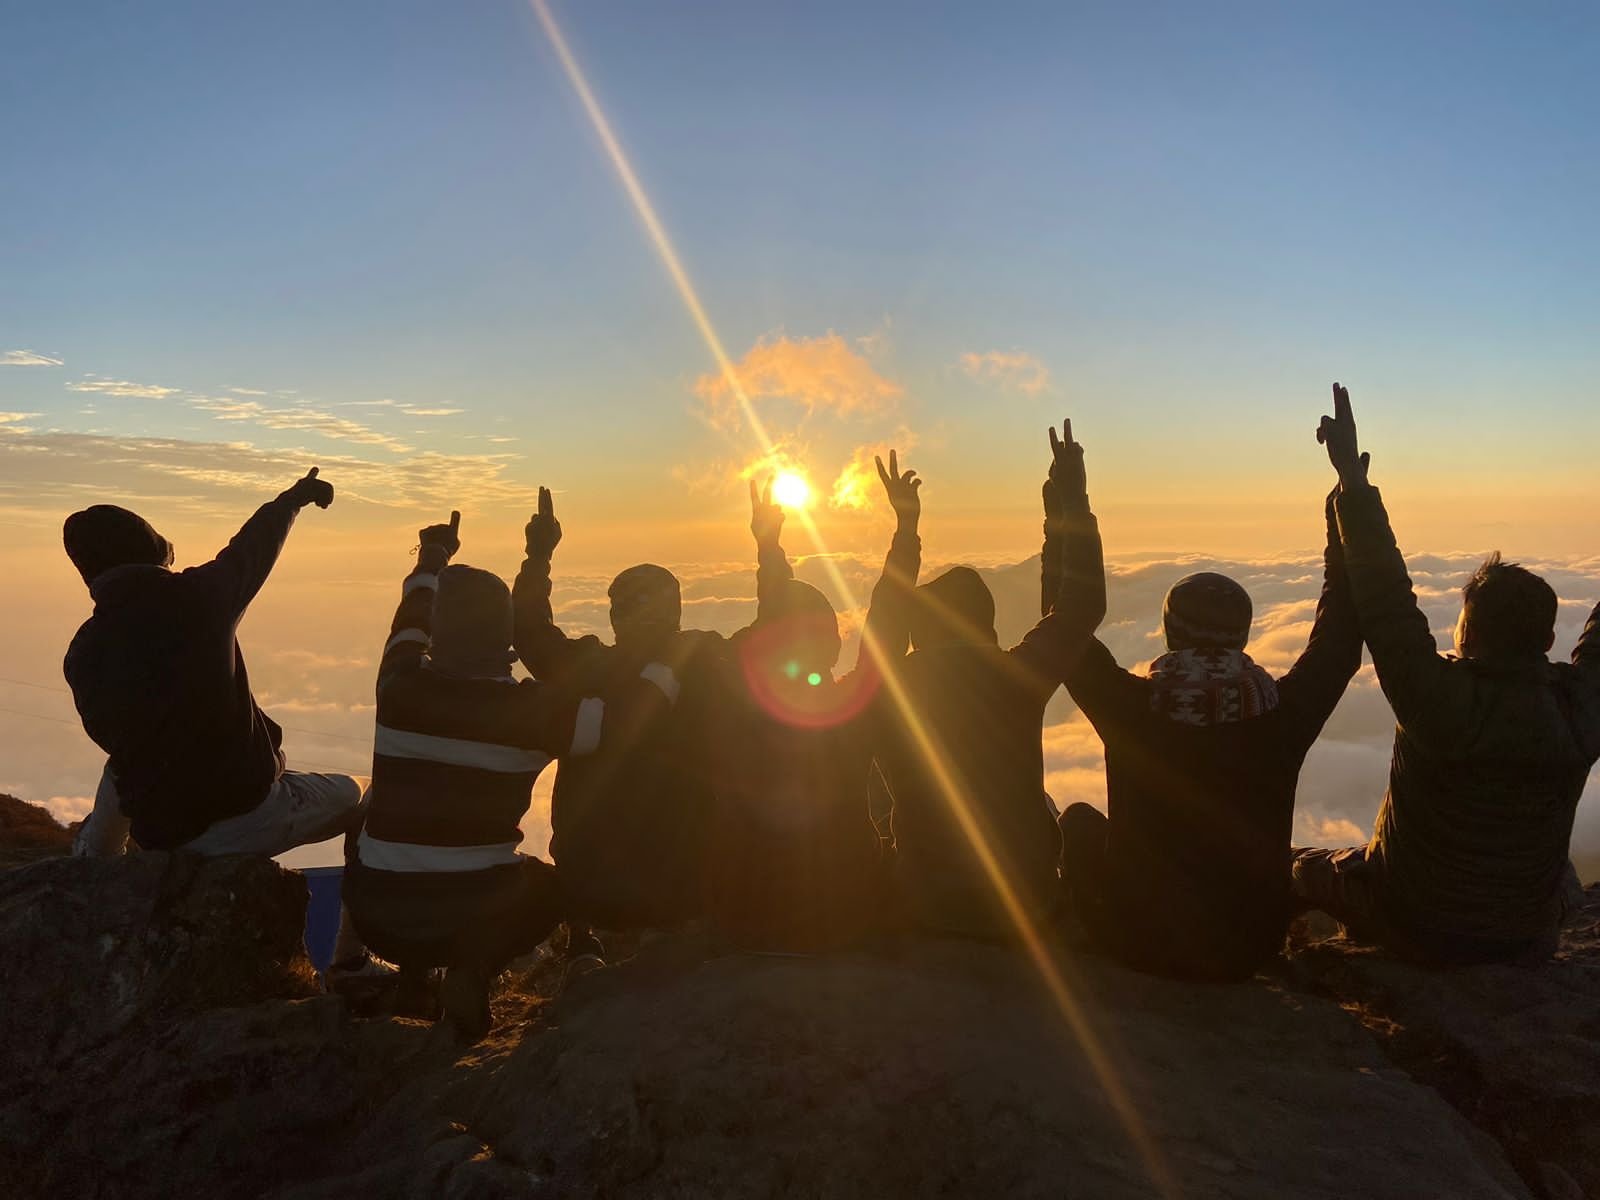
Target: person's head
{"x":646,"y":605}
{"x":957,"y":608}
{"x":1506,"y":612}
{"x":1206,"y":611}
{"x":472,"y":622}
{"x":805,"y":632}
{"x":788,"y":657}
{"x":103,"y":536}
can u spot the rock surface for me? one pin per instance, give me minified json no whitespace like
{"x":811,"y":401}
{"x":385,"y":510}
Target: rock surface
{"x":163,"y":1038}
{"x":1515,"y":1049}
{"x":29,"y":833}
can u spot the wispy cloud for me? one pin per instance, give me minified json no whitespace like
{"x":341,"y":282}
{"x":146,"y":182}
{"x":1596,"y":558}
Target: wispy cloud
{"x":26,"y":358}
{"x":857,"y":487}
{"x":1012,"y":370}
{"x":55,"y":469}
{"x":431,"y":412}
{"x":299,"y":419}
{"x":11,"y":418}
{"x":122,"y":387}
{"x":820,"y":374}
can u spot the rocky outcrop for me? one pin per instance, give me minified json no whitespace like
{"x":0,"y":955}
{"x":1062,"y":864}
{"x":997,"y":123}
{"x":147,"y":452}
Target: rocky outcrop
{"x":29,"y":833}
{"x":942,"y":1068}
{"x":164,"y":1037}
{"x":1515,"y":1049}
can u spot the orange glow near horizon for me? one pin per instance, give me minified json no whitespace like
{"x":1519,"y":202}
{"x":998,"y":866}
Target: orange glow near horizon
{"x":1032,"y":937}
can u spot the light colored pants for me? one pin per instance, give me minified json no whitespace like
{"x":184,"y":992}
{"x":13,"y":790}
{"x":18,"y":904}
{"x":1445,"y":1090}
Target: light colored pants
{"x":300,"y":809}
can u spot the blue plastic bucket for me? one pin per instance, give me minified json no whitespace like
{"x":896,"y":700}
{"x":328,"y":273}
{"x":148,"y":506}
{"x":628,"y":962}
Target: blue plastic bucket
{"x":322,"y":912}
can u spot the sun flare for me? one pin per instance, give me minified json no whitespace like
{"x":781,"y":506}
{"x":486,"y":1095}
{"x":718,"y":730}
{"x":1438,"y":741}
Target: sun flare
{"x":791,"y":490}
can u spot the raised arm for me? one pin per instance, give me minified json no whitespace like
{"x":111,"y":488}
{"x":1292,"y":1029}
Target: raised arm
{"x":237,"y":573}
{"x":541,"y":645}
{"x":1333,"y":654}
{"x":772,"y":564}
{"x":1062,"y":647}
{"x":412,"y":628}
{"x":887,"y":633}
{"x":1416,"y":679}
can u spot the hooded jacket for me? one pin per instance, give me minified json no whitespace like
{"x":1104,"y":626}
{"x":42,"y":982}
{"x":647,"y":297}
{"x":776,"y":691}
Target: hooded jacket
{"x":160,"y":682}
{"x":630,"y":815}
{"x":1490,"y":760}
{"x":968,"y":736}
{"x":796,"y":861}
{"x":1200,"y":816}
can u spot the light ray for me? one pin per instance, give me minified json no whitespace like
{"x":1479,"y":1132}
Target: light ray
{"x":1032,"y":937}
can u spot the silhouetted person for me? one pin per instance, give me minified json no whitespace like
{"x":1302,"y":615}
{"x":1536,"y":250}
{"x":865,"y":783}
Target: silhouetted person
{"x":795,"y":862}
{"x":1492,"y":747}
{"x":629,"y":817}
{"x":1186,"y":874}
{"x":434,"y":879}
{"x":160,"y":683}
{"x":960,"y":753}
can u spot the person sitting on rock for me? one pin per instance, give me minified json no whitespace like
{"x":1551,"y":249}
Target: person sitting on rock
{"x":1492,"y":747}
{"x":160,"y":682}
{"x":795,"y":863}
{"x":974,"y":832}
{"x":434,"y":878}
{"x":629,"y":817}
{"x":1187,"y":873}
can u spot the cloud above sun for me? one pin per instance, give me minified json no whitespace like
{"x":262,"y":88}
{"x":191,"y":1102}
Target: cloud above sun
{"x":1010,"y":370}
{"x":26,"y":358}
{"x":807,"y":376}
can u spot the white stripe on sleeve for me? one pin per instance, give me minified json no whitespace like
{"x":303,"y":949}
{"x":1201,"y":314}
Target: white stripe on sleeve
{"x":661,"y":675}
{"x":586,"y":732}
{"x":404,"y":636}
{"x":417,"y":580}
{"x":457,"y":752}
{"x":403,"y":856}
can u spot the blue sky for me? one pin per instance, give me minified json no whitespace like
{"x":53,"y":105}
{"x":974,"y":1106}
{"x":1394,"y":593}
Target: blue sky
{"x":382,"y":237}
{"x":1193,"y":219}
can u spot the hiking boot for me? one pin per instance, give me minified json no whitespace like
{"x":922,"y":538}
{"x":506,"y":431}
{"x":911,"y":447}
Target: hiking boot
{"x":582,"y":943}
{"x":417,"y":995}
{"x":465,"y":997}
{"x":356,"y":971}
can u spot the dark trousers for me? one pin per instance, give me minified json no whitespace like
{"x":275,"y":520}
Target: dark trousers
{"x":474,"y":919}
{"x":1140,"y":923}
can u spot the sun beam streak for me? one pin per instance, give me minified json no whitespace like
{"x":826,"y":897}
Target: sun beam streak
{"x":1034,"y":940}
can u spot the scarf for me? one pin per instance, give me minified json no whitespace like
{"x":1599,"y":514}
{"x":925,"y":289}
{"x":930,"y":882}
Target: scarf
{"x":1210,"y":687}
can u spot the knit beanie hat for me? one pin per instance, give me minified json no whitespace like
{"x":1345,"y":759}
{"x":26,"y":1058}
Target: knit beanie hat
{"x":1206,"y":611}
{"x":646,"y":595}
{"x":955,"y":608}
{"x":472,"y":618}
{"x":808,"y":615}
{"x":104,"y":536}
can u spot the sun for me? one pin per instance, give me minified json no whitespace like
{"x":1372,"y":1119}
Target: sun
{"x":791,"y":490}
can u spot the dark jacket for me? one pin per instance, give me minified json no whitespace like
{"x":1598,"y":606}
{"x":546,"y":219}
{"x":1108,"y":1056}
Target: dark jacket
{"x":1200,"y":817}
{"x":968,"y":736}
{"x":629,"y":821}
{"x":454,"y":759}
{"x":1490,"y":759}
{"x":795,"y":863}
{"x":160,"y":683}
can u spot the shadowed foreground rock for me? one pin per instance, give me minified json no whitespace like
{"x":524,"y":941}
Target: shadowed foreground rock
{"x":944,"y":1069}
{"x":1517,"y":1050}
{"x":188,"y":1066}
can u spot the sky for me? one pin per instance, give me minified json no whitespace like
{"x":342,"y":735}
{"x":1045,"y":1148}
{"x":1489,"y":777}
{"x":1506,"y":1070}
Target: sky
{"x":385,"y":239}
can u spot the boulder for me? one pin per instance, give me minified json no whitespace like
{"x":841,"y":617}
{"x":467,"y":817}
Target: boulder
{"x":96,"y":949}
{"x":943,"y":1068}
{"x":1516,"y":1049}
{"x":29,"y":833}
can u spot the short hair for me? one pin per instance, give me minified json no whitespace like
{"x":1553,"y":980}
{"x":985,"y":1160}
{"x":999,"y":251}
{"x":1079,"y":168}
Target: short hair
{"x":1509,"y":609}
